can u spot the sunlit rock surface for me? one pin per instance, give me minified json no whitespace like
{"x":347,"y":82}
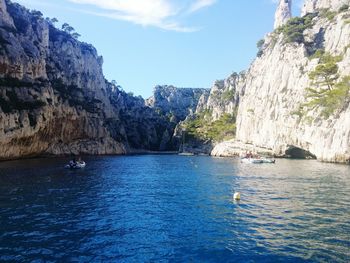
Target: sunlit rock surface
{"x":283,"y":13}
{"x":275,"y":86}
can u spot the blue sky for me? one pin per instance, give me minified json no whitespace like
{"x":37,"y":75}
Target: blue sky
{"x":186,"y":43}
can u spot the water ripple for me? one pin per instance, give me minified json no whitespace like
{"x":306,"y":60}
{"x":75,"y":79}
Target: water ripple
{"x":174,"y":208}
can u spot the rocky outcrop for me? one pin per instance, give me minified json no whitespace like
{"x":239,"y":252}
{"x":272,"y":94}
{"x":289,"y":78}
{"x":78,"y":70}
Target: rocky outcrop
{"x":176,"y":102}
{"x":224,"y":96}
{"x":55,"y":100}
{"x":311,"y":6}
{"x":235,"y":148}
{"x":283,"y":13}
{"x":144,"y":127}
{"x":205,"y":127}
{"x":276,"y":87}
{"x":6,"y":20}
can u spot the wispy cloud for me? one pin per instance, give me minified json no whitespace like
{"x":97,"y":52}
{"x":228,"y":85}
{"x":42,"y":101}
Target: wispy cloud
{"x":199,"y":4}
{"x":163,"y":14}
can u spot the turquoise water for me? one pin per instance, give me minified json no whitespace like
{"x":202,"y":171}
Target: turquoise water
{"x":174,"y":209}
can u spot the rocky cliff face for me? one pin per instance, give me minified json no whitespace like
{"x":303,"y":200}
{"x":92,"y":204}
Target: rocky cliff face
{"x":276,"y":88}
{"x":224,"y":96}
{"x":283,"y":13}
{"x":176,"y":102}
{"x":311,"y":6}
{"x":54,"y":98}
{"x":213,"y":118}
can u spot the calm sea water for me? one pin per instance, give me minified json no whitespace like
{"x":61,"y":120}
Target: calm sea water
{"x":174,"y":209}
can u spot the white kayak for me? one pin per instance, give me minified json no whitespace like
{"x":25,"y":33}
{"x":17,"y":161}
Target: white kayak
{"x":257,"y":160}
{"x":76,"y":165}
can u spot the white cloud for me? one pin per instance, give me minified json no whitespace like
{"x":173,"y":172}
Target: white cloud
{"x":159,"y":13}
{"x":199,"y":4}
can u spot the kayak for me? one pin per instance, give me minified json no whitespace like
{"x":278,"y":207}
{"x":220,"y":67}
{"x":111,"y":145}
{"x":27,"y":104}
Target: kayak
{"x":257,"y":160}
{"x":77,"y":165}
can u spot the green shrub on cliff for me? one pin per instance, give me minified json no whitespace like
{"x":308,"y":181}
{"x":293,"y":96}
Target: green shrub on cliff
{"x":343,"y":8}
{"x":228,"y":95}
{"x":328,"y":94}
{"x":260,"y":46}
{"x":329,"y":100}
{"x":327,"y":13}
{"x":293,"y":30}
{"x":200,"y":127}
{"x":318,"y":53}
{"x":260,"y":43}
{"x":326,"y":73}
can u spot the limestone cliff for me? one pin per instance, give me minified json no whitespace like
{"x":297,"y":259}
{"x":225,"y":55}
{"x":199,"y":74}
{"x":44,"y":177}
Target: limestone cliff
{"x":214,"y":117}
{"x":54,"y":98}
{"x":287,"y":108}
{"x":224,"y":96}
{"x":283,"y":13}
{"x":177,"y":102}
{"x":311,"y":6}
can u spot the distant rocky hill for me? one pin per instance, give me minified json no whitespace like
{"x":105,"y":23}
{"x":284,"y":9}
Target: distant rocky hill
{"x":54,"y":98}
{"x":214,"y":118}
{"x":176,"y":102}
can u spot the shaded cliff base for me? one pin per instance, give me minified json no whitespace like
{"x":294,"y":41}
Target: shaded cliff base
{"x":236,"y":148}
{"x":226,"y":149}
{"x":129,"y":152}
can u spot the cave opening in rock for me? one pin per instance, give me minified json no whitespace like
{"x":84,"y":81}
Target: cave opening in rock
{"x":298,"y":153}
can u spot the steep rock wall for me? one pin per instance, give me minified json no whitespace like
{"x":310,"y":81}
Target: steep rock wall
{"x":179,"y":102}
{"x":224,"y":96}
{"x":310,"y":6}
{"x":276,"y":86}
{"x":53,"y":94}
{"x":54,"y":98}
{"x":283,"y":13}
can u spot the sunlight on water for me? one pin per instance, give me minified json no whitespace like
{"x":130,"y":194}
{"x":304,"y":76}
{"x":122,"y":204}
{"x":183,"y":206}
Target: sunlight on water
{"x":174,"y":208}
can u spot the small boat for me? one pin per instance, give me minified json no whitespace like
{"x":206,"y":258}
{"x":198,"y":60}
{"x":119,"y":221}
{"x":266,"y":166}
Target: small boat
{"x":257,"y":160}
{"x":75,"y":165}
{"x":186,"y":154}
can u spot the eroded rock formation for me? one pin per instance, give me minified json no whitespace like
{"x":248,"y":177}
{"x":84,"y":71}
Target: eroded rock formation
{"x":176,"y":102}
{"x":283,"y":13}
{"x":311,"y":6}
{"x":54,"y":98}
{"x":276,"y":87}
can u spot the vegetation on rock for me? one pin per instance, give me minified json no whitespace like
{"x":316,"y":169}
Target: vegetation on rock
{"x":202,"y":128}
{"x":327,"y":13}
{"x":329,"y":100}
{"x":260,"y":45}
{"x":228,"y":95}
{"x":326,"y":73}
{"x":327,"y":93}
{"x":293,"y":30}
{"x":343,"y":8}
